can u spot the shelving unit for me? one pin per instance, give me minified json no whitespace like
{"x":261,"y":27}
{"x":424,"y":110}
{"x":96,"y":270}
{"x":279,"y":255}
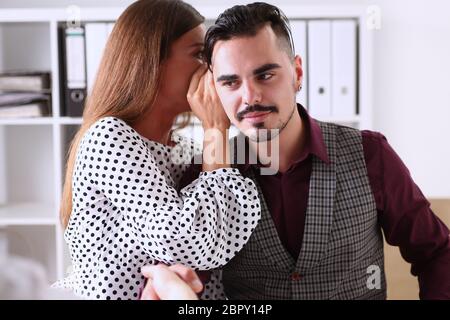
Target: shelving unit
{"x":32,"y":151}
{"x":27,"y":213}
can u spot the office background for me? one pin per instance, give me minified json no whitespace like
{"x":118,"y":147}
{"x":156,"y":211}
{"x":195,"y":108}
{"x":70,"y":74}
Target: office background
{"x":410,"y":94}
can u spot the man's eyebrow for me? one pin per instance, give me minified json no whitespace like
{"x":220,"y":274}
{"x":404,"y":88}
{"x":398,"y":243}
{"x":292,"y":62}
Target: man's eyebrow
{"x":227,"y":77}
{"x":262,"y":69}
{"x":266,"y":67}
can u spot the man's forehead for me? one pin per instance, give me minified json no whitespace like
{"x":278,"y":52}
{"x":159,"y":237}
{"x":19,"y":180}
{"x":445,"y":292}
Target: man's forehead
{"x":244,"y":68}
{"x":264,"y":36}
{"x":244,"y":53}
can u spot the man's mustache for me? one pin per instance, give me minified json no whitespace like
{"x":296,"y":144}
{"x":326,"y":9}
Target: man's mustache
{"x":255,"y":108}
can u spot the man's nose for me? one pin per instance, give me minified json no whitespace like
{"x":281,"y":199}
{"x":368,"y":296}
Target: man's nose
{"x":251,"y":93}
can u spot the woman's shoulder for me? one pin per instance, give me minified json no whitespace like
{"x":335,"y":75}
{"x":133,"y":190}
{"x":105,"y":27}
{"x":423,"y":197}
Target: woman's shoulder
{"x":112,"y":128}
{"x":111,"y":135}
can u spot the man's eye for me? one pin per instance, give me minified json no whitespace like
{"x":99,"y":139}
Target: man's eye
{"x":265,"y":76}
{"x":229,"y":83}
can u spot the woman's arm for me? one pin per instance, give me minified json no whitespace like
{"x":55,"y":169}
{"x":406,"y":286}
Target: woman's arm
{"x":203,"y":226}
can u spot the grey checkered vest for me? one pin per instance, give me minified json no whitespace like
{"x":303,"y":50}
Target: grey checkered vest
{"x":342,"y":249}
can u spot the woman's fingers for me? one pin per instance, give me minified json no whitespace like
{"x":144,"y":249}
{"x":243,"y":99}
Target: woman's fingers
{"x":168,"y":283}
{"x":189,"y":276}
{"x":205,"y":102}
{"x":209,"y":83}
{"x":195,"y":80}
{"x":149,"y":292}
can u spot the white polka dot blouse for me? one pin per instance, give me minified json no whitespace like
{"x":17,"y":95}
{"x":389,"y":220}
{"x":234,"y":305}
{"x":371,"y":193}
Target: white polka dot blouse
{"x":128,"y":212}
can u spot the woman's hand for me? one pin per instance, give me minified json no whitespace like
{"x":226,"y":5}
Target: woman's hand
{"x":176,"y":282}
{"x":205,"y":102}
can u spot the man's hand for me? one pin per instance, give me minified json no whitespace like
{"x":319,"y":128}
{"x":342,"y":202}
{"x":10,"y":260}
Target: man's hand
{"x":176,"y":282}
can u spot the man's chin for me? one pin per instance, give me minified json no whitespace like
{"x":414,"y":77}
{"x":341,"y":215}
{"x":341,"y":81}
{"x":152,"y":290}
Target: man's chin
{"x":260,"y":134}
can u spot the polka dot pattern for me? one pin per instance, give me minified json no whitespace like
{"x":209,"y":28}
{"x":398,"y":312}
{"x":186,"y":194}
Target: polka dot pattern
{"x":214,"y":289}
{"x":127,"y":211}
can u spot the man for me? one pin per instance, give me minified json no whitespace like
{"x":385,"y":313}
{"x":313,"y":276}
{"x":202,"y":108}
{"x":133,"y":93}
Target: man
{"x":337,"y":189}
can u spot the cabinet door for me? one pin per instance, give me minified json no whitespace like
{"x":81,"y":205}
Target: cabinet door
{"x":319,"y":66}
{"x":343,"y":75}
{"x":96,"y":36}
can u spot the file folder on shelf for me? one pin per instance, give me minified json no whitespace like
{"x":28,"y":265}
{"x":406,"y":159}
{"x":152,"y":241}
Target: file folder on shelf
{"x":97,"y":34}
{"x":344,"y":69}
{"x":72,"y":42}
{"x":319,"y":67}
{"x":299,"y":37}
{"x":25,"y":81}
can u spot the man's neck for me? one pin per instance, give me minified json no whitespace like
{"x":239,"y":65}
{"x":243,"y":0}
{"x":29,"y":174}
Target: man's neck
{"x":291,"y":143}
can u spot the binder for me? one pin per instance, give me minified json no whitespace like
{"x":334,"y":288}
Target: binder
{"x":25,"y":81}
{"x":21,"y":98}
{"x":33,"y":109}
{"x":319,"y":66}
{"x":96,"y":36}
{"x":3,"y":172}
{"x":344,"y":68}
{"x":73,"y":71}
{"x":299,"y":37}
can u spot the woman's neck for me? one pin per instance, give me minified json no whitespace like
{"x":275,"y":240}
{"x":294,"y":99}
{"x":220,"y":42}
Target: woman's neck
{"x":156,"y":125}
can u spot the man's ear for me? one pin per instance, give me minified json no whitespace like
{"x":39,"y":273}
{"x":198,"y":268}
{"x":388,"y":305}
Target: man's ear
{"x":298,"y":72}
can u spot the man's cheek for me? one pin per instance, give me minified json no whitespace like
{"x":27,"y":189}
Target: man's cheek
{"x":227,"y":102}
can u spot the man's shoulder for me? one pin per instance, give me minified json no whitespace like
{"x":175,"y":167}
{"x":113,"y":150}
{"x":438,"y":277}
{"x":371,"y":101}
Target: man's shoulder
{"x":373,"y":136}
{"x":369,"y":135}
{"x":338,"y":132}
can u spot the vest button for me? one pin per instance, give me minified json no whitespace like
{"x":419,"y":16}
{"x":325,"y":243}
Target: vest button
{"x":295,"y":276}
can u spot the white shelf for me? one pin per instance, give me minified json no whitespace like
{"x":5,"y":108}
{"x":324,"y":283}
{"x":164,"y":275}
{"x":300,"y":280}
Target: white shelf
{"x":41,"y":121}
{"x":68,"y":120}
{"x":26,"y":121}
{"x":27,"y":214}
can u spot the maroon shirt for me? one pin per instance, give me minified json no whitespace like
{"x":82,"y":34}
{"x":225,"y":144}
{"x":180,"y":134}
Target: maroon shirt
{"x":404,"y":213}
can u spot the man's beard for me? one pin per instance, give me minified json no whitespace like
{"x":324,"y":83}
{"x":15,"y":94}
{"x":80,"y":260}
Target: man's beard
{"x":255,"y":108}
{"x":260,"y":134}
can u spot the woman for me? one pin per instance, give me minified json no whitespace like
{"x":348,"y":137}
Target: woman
{"x":120,"y":205}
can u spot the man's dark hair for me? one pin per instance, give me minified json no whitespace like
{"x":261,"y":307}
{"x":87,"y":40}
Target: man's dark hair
{"x":247,"y":20}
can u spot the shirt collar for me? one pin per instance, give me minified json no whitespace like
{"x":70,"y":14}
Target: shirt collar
{"x":314,"y":144}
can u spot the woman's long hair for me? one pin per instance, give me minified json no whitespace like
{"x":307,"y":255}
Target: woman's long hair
{"x":129,"y":73}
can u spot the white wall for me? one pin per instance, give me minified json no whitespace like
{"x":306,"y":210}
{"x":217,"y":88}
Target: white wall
{"x":113,"y":3}
{"x":411,"y":79}
{"x":412,"y":82}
